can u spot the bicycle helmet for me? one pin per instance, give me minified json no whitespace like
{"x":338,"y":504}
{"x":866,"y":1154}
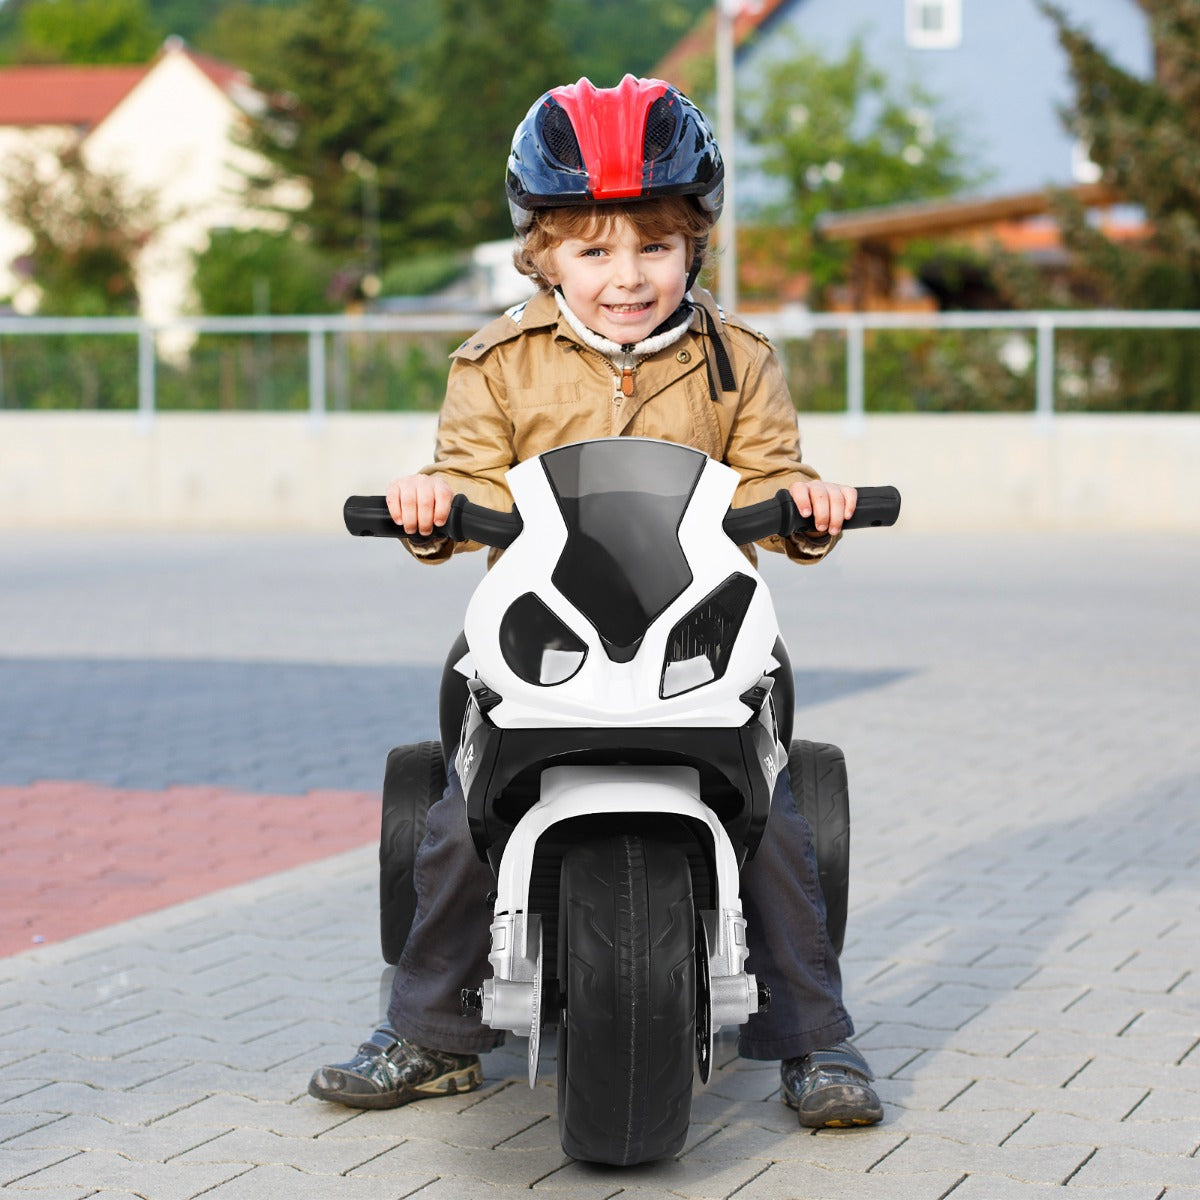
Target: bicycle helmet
{"x":580,"y":144}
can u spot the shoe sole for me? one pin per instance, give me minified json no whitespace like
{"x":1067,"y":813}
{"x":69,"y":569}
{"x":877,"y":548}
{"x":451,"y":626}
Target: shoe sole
{"x":453,"y":1083}
{"x":839,"y":1111}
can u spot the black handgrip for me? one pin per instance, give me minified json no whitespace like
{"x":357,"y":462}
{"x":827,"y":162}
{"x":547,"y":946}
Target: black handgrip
{"x":779,"y":515}
{"x":876,"y":506}
{"x":368,"y":516}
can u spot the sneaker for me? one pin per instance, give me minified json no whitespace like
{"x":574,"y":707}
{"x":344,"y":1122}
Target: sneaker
{"x":388,"y":1071}
{"x":831,"y":1088}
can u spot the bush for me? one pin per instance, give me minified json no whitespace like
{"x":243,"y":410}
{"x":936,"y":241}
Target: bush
{"x":253,"y":271}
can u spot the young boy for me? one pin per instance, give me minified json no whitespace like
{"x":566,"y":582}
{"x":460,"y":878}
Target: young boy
{"x":613,"y":194}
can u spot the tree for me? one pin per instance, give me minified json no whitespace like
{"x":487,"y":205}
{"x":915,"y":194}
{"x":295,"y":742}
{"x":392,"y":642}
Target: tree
{"x":335,"y":121}
{"x":87,"y":228}
{"x":837,"y":135}
{"x":1144,"y":134}
{"x":488,"y":63}
{"x":247,"y":35}
{"x":1145,"y":137}
{"x":607,"y":38}
{"x":86,"y":31}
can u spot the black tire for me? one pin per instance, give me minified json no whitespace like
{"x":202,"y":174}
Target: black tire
{"x":818,"y":775}
{"x":415,"y":777}
{"x":627,"y":1042}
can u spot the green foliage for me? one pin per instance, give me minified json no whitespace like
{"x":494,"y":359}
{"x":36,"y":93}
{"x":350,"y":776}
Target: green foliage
{"x":839,"y":135}
{"x":245,"y":34}
{"x":1144,"y":134}
{"x":269,"y":373}
{"x":86,"y":31}
{"x":337,"y":123}
{"x":86,"y":227}
{"x":258,"y":272}
{"x":602,"y":38}
{"x":423,"y":274}
{"x":916,"y":371}
{"x":68,"y":372}
{"x":607,"y":38}
{"x":1145,"y":137}
{"x":487,"y":64}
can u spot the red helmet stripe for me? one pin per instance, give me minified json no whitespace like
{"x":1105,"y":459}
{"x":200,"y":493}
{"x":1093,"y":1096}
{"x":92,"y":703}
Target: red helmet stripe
{"x":610,"y":125}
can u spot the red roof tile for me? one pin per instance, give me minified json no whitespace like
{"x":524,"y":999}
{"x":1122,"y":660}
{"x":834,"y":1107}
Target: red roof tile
{"x":223,"y":74}
{"x":85,"y":95}
{"x":64,"y":95}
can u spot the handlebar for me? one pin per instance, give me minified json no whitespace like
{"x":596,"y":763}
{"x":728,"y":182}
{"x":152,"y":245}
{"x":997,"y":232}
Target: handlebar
{"x":779,"y":515}
{"x":368,"y":516}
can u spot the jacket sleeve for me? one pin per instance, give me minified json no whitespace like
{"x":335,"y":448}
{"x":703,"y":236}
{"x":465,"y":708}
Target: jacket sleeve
{"x":474,"y":446}
{"x":764,"y":446}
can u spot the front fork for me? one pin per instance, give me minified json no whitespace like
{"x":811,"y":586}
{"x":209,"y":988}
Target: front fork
{"x":512,"y":998}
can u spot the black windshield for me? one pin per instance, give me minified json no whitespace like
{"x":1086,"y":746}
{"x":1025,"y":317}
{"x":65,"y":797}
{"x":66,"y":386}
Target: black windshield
{"x":622,"y":500}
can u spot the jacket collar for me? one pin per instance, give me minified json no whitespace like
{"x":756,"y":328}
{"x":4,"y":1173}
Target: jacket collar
{"x":617,"y":351}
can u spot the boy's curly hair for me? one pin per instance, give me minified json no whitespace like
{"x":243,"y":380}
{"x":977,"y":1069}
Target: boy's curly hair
{"x":653,"y":219}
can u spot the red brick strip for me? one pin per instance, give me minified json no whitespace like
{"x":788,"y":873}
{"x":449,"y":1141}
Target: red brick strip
{"x":78,"y":856}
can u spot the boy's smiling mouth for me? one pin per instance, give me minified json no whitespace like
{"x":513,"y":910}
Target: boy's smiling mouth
{"x":629,"y":308}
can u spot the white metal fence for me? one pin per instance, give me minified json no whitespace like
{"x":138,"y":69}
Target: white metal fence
{"x":782,"y":326}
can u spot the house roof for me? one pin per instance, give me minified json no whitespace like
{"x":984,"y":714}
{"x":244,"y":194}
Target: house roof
{"x":83,"y":96}
{"x":680,"y":64}
{"x":931,"y":218}
{"x":64,"y":95}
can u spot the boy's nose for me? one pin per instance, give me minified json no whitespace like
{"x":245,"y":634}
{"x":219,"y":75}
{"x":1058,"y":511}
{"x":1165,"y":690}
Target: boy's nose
{"x":627,"y":270}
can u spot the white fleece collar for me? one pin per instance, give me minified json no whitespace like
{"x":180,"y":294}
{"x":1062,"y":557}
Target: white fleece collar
{"x":614,"y":350}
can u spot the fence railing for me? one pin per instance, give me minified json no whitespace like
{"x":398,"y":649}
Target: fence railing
{"x":781,"y":326}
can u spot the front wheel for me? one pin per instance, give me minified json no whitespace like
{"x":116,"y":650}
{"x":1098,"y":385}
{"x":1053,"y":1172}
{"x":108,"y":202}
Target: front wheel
{"x":627,"y":936}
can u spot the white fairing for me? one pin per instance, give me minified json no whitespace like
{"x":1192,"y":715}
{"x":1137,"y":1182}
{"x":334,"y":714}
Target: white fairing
{"x":603,"y":692}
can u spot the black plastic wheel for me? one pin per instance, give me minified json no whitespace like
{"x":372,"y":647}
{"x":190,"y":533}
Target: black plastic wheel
{"x":414,"y":779}
{"x":818,"y":775}
{"x":627,"y":1042}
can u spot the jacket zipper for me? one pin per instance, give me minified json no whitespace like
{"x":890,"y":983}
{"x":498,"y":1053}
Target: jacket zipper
{"x":623,"y":379}
{"x":628,"y":366}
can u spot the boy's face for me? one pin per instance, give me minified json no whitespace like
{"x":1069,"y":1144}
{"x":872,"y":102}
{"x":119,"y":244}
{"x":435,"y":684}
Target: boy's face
{"x":618,"y":285}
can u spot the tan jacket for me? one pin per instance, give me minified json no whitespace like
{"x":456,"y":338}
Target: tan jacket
{"x":526,"y":383}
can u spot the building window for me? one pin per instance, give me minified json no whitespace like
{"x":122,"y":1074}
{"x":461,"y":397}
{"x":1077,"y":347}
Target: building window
{"x":933,"y":24}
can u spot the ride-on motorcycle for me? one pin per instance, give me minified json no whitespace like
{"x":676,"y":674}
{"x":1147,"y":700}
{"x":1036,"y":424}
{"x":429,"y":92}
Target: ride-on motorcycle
{"x":628,"y":712}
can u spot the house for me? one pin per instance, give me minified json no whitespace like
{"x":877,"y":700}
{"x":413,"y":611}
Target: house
{"x":994,"y":68}
{"x":168,"y":127}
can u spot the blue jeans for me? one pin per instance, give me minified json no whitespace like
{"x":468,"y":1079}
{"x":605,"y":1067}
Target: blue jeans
{"x":447,"y":948}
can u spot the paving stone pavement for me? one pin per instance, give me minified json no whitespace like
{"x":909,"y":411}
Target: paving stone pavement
{"x":1020,"y":719}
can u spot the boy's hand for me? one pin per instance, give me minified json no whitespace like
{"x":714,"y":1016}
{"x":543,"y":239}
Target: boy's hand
{"x":419,"y":502}
{"x":829,"y":504}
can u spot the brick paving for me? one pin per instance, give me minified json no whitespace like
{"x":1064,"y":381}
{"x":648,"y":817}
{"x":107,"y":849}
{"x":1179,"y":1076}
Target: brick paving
{"x":1023,"y":956}
{"x":78,"y":856}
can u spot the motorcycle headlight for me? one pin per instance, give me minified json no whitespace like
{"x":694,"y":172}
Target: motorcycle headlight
{"x":537,"y":645}
{"x":699,"y":647}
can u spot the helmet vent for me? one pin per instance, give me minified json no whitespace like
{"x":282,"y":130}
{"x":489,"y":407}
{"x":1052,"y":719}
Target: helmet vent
{"x":661,"y":123}
{"x":560,"y":137}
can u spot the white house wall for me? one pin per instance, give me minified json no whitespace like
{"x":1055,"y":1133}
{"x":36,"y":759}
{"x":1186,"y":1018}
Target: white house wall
{"x":173,"y":136}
